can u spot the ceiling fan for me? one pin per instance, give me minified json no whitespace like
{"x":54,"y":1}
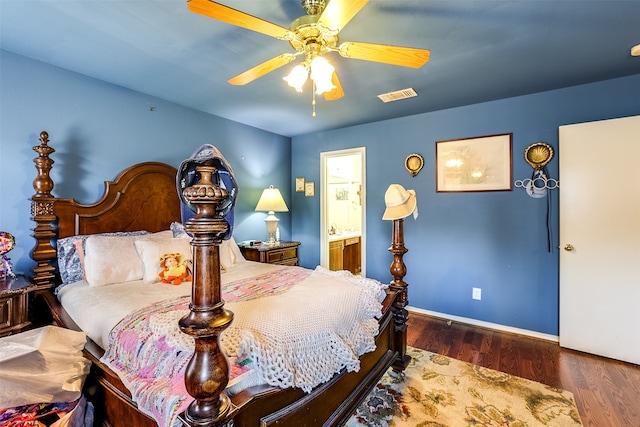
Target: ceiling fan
{"x":312,"y":35}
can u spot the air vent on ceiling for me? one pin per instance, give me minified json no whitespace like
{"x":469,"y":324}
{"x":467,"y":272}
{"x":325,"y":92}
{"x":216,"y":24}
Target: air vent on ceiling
{"x":397,"y":95}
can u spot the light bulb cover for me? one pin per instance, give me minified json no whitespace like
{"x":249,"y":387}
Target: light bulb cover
{"x":322,"y":74}
{"x":297,"y":77}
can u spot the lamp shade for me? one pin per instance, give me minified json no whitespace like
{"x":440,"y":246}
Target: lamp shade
{"x":271,"y":201}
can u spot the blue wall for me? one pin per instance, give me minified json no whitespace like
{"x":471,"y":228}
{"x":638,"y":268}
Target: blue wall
{"x":97,"y":129}
{"x":494,"y":240}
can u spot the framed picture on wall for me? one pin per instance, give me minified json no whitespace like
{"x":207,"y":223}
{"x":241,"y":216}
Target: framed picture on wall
{"x":309,"y":189}
{"x":474,"y":164}
{"x":299,"y":185}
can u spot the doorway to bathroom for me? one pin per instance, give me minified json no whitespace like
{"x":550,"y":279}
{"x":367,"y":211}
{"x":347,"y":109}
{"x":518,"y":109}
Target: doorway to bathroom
{"x":343,"y":210}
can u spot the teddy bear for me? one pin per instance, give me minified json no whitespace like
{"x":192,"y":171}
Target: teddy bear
{"x":173,"y":269}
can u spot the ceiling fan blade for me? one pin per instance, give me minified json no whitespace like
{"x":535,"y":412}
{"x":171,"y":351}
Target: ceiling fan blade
{"x":338,"y":13}
{"x":235,"y":17}
{"x":262,"y":69}
{"x":336,"y":92}
{"x":394,"y":55}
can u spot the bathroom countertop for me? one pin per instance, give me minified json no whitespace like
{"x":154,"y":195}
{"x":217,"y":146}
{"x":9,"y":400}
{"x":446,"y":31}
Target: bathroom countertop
{"x":334,"y":237}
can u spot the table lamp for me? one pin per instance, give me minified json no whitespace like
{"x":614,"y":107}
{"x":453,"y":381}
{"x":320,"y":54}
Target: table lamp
{"x":271,"y":201}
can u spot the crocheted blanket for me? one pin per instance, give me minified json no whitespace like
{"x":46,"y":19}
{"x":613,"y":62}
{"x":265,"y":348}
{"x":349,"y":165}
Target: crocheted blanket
{"x":292,"y":327}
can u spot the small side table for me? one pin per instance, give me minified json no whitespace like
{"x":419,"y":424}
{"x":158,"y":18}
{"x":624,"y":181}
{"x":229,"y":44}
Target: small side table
{"x":15,"y":293}
{"x":283,"y":253}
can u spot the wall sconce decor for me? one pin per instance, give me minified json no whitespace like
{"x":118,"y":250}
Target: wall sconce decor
{"x":309,"y":189}
{"x":414,"y":163}
{"x":538,"y":155}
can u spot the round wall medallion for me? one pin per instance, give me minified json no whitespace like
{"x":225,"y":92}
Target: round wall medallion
{"x":413,"y":163}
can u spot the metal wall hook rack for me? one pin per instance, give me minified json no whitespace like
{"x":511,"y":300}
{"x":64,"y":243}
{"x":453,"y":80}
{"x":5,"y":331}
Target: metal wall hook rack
{"x":539,"y":182}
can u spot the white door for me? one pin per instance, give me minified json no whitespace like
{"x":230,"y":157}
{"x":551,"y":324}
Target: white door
{"x":600,"y":238}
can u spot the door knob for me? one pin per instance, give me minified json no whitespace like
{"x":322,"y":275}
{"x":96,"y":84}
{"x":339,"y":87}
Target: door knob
{"x":568,"y":247}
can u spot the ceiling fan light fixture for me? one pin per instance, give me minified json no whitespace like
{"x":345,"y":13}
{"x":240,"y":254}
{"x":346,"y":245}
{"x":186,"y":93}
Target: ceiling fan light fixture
{"x":321,"y":74}
{"x":312,"y":35}
{"x":297,"y":77}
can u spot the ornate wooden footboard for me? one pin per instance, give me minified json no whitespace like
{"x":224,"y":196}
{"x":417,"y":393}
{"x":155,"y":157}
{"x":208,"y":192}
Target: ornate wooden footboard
{"x":144,"y":197}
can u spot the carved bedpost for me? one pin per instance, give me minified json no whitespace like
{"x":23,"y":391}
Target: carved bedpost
{"x":42,"y":213}
{"x":398,"y":270}
{"x":207,"y":374}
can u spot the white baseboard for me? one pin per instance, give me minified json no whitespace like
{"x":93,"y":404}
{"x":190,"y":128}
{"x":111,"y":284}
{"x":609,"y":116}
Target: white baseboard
{"x":483,"y":324}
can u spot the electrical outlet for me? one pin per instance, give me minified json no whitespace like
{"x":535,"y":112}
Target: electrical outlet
{"x":476,"y":293}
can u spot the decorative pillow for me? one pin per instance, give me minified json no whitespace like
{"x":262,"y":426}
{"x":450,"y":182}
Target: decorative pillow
{"x":177,"y":228}
{"x":79,"y":244}
{"x":150,"y":252}
{"x":113,"y":259}
{"x":69,"y":262}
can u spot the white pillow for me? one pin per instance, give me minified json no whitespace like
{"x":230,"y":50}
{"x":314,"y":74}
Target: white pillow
{"x":150,"y":252}
{"x":226,"y":256}
{"x":235,"y":250}
{"x":113,"y":259}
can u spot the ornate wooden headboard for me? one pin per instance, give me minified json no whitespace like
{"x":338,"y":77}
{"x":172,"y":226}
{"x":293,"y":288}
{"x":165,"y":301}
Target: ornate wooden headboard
{"x":142,"y":197}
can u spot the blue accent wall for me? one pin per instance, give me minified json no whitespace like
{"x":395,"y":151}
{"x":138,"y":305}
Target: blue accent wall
{"x":496,"y":241}
{"x":98,"y":129}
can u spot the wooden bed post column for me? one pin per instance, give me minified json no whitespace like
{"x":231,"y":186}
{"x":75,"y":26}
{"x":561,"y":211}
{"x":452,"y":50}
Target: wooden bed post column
{"x":43,"y":214}
{"x":398,"y":270}
{"x":207,"y":374}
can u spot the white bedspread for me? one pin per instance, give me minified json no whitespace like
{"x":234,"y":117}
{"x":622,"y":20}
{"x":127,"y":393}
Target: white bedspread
{"x":96,"y":310}
{"x":305,"y":336}
{"x":301,"y":337}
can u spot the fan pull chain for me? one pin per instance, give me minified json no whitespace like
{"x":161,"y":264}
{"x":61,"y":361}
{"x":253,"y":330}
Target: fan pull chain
{"x":313,"y":100}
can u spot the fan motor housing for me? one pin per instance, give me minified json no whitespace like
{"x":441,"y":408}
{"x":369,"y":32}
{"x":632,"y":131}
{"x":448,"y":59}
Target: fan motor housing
{"x":306,"y":32}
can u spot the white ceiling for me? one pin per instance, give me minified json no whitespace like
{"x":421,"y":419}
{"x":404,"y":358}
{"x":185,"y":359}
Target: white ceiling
{"x":481,"y":50}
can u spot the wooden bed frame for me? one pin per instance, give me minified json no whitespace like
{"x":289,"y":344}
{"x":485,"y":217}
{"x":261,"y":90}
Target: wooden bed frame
{"x":144,"y":197}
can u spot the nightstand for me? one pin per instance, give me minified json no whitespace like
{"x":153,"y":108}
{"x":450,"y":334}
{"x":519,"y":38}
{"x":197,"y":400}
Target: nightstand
{"x":284,"y":253}
{"x":15,"y":294}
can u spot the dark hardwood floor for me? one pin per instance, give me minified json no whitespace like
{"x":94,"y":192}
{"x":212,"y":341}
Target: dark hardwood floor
{"x":607,"y":391}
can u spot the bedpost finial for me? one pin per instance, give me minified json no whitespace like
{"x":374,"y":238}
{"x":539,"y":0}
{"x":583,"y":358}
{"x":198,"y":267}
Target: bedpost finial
{"x":205,"y":196}
{"x":44,"y":137}
{"x":43,"y":184}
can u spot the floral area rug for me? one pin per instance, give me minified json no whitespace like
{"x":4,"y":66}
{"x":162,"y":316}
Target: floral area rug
{"x":437,"y":391}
